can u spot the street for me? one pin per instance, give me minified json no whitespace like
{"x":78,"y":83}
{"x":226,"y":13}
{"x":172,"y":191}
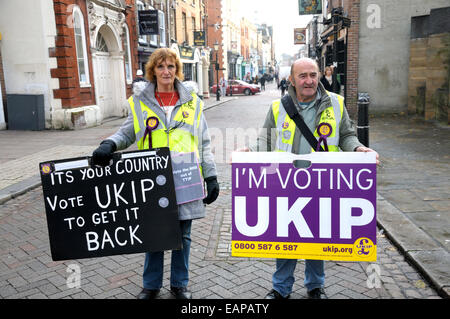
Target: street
{"x":27,"y":270}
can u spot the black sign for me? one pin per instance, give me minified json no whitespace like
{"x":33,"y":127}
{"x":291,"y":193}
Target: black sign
{"x":199,"y":38}
{"x":148,"y":22}
{"x":127,"y":207}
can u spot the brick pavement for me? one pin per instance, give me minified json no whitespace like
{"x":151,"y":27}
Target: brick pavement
{"x":27,"y":270}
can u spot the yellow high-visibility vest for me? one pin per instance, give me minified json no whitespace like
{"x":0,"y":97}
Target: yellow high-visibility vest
{"x":182,"y":134}
{"x":285,"y":126}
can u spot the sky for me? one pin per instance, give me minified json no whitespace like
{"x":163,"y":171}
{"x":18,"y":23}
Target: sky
{"x":282,"y":15}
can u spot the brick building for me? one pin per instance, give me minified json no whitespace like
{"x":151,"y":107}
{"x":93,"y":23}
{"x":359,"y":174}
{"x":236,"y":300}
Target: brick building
{"x":429,"y":66}
{"x":79,"y":54}
{"x":186,"y":17}
{"x":322,"y":46}
{"x":147,"y":44}
{"x":215,"y":35}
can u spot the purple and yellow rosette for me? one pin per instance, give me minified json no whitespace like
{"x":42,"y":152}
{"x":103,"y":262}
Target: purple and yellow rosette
{"x":324,"y":130}
{"x":152,"y":123}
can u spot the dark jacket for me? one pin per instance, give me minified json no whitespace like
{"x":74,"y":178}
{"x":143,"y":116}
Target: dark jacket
{"x":328,"y":86}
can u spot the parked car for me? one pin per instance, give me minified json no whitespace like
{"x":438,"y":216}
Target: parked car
{"x":239,"y":87}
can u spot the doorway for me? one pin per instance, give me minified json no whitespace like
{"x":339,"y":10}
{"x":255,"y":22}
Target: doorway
{"x":109,"y":74}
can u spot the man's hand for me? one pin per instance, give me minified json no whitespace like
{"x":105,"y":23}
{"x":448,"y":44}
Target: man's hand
{"x":104,"y":153}
{"x":366,"y":149}
{"x":212,"y":187}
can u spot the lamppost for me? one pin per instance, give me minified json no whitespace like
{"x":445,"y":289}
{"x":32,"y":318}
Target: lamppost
{"x":216,"y":48}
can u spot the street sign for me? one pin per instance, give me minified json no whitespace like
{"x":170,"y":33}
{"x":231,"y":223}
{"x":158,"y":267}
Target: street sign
{"x":127,"y":207}
{"x":324,"y":209}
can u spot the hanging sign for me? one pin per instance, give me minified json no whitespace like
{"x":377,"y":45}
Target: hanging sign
{"x":199,"y":38}
{"x":309,"y":7}
{"x":148,"y":22}
{"x":299,"y":36}
{"x":324,"y":211}
{"x":127,"y":207}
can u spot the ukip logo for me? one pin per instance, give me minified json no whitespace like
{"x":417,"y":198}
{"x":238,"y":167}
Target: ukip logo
{"x":285,"y":125}
{"x":46,"y":168}
{"x":364,"y":247}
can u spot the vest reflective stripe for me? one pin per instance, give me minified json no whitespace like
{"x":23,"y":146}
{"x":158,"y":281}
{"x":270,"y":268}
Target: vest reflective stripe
{"x":183,"y":139}
{"x":285,"y":126}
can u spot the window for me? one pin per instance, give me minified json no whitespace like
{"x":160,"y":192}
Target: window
{"x":100,"y":43}
{"x":162,"y":29}
{"x":184,"y":24}
{"x":193,"y":28}
{"x":127,"y":56}
{"x":80,"y":44}
{"x":187,"y":71}
{"x":173,"y":25}
{"x":144,"y":39}
{"x":153,"y":37}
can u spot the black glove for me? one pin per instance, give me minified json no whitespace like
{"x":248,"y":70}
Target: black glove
{"x":212,"y":186}
{"x":104,"y":153}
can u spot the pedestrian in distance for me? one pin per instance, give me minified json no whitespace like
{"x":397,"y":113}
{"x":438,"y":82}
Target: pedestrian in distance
{"x":263,"y":83}
{"x":256,"y":80}
{"x":327,"y":81}
{"x":283,"y":86}
{"x":311,"y":101}
{"x":223,"y":86}
{"x":178,"y":123}
{"x":139,"y":82}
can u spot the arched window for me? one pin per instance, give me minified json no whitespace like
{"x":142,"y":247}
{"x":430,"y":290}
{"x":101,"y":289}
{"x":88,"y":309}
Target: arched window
{"x":127,"y":55}
{"x":80,"y":43}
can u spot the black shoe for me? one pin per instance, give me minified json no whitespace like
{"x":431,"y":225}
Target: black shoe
{"x":148,"y":294}
{"x":317,"y":293}
{"x":273,"y":294}
{"x":181,"y":292}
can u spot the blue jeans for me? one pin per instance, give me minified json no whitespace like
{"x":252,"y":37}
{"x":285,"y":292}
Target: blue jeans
{"x":179,"y":266}
{"x":283,"y":278}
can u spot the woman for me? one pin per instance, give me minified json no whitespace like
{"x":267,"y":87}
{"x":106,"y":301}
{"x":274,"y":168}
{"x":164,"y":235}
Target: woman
{"x":327,"y":81}
{"x":182,"y":127}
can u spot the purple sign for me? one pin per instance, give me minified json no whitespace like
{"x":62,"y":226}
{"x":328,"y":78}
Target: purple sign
{"x":324,"y":211}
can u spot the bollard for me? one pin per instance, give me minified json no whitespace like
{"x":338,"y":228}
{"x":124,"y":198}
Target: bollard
{"x":363,"y":118}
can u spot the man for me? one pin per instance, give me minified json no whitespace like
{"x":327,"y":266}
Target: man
{"x":313,"y":102}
